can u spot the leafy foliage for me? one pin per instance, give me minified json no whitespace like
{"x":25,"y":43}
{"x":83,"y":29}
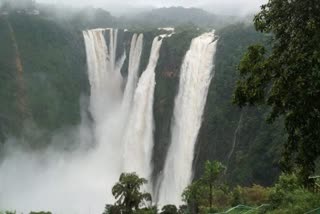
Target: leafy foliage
{"x":169,"y":209}
{"x":207,"y":192}
{"x":289,"y":196}
{"x":213,"y":171}
{"x":255,"y":195}
{"x":287,"y":79}
{"x":54,"y":75}
{"x":127,"y":193}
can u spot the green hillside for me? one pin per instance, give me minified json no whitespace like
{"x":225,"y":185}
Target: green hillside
{"x":53,"y":72}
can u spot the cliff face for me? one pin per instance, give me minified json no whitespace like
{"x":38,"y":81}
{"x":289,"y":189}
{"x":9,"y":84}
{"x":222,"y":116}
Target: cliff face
{"x":240,"y":138}
{"x":9,"y":119}
{"x":21,"y":88}
{"x":55,"y":77}
{"x":44,"y":72}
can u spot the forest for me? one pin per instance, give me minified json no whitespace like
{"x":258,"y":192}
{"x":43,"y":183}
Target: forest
{"x":257,"y":150}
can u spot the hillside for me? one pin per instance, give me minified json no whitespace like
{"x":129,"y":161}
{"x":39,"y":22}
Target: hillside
{"x":50,"y":77}
{"x":175,"y":16}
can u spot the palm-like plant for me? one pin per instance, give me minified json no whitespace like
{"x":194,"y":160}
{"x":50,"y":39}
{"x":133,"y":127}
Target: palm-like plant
{"x":213,"y":171}
{"x":127,"y":192}
{"x":169,"y":209}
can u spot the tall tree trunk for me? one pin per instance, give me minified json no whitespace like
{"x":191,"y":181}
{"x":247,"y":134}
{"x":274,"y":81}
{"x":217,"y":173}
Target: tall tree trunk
{"x":210,"y":196}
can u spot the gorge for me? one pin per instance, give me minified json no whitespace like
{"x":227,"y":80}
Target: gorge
{"x":118,"y":104}
{"x":132,"y":114}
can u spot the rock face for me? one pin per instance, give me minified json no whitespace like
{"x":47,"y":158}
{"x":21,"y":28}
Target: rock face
{"x":55,"y":77}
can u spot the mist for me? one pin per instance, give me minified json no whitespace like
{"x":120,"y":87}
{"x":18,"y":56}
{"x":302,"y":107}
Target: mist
{"x":121,"y":7}
{"x":70,"y":181}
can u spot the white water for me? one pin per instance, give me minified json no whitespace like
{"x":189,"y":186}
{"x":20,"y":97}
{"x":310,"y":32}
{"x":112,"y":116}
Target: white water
{"x":195,"y":78}
{"x":133,"y":68}
{"x":103,"y":71}
{"x":105,"y":103}
{"x":79,"y":182}
{"x":138,"y":140}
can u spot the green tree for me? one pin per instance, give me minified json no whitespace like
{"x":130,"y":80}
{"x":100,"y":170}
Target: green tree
{"x":169,"y":209}
{"x":147,"y":210}
{"x":112,"y":209}
{"x":288,"y":78}
{"x":199,"y":194}
{"x":193,"y":195}
{"x":213,"y":171}
{"x":289,"y":196}
{"x":127,"y":192}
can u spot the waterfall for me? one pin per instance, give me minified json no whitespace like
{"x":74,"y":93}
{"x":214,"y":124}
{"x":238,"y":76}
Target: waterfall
{"x":138,"y":140}
{"x":105,"y":105}
{"x":121,"y":127}
{"x":195,"y":79}
{"x":133,"y":68}
{"x":103,"y":71}
{"x":123,"y":120}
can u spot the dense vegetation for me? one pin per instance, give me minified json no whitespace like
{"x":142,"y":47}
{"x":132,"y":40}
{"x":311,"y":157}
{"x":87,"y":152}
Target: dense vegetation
{"x":287,"y":78}
{"x":52,"y":74}
{"x":210,"y":194}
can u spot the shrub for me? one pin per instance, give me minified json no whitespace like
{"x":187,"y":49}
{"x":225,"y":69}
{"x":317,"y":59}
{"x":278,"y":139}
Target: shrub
{"x":255,"y":195}
{"x":289,"y":196}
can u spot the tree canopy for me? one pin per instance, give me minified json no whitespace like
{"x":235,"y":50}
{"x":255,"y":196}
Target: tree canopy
{"x":127,"y":193}
{"x":287,"y":78}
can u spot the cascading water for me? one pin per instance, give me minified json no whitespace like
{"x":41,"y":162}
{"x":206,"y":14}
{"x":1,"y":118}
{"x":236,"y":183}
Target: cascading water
{"x":111,"y":111}
{"x":103,"y":71}
{"x":133,"y":68}
{"x":195,"y":79}
{"x":138,"y":140}
{"x":105,"y":103}
{"x":81,"y":181}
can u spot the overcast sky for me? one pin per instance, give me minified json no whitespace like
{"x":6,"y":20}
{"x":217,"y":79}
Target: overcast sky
{"x":217,"y":6}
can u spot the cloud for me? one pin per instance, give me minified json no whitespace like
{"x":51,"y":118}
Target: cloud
{"x":218,"y":6}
